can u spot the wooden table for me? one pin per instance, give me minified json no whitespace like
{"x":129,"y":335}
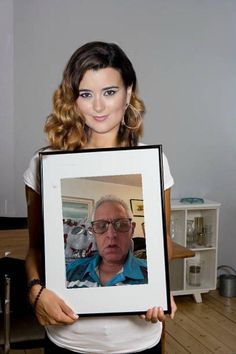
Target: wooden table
{"x":181,"y":252}
{"x":14,"y":243}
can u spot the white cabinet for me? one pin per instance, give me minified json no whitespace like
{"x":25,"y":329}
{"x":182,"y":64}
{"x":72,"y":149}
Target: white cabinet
{"x":198,"y":274}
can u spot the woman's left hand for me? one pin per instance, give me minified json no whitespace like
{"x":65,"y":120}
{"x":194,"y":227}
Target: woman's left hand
{"x":157,"y":314}
{"x":154,"y":315}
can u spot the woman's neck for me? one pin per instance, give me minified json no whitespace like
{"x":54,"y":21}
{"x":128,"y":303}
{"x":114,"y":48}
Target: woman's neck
{"x":97,"y":141}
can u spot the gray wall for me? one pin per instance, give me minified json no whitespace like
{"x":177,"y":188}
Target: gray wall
{"x":7,"y":156}
{"x":184,"y":52}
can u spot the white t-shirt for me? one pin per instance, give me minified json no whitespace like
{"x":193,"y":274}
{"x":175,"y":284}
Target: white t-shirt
{"x":32,"y":178}
{"x":102,"y":334}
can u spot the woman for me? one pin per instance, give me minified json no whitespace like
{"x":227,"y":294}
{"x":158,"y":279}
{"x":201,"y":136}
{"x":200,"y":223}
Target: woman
{"x":95,"y":106}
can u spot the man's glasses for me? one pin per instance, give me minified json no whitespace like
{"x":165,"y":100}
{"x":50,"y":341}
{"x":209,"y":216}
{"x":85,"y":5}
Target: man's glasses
{"x":119,"y":225}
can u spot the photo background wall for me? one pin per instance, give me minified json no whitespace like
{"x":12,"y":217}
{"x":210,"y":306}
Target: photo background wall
{"x":95,"y":188}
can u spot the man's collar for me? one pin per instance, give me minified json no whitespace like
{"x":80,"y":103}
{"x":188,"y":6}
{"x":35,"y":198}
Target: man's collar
{"x":92,"y":265}
{"x":132,"y":268}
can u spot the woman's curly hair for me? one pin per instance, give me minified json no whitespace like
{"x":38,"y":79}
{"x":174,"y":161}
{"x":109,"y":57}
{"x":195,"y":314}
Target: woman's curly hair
{"x":65,"y":127}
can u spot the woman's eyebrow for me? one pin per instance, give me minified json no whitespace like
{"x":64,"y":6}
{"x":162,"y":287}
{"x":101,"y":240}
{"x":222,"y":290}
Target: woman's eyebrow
{"x":110,"y":88}
{"x":85,"y":90}
{"x":103,"y":89}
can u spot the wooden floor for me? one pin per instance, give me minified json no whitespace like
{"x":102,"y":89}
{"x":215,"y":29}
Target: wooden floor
{"x":209,"y":327}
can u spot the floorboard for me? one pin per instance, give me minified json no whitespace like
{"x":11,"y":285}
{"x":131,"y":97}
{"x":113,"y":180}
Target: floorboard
{"x":208,"y":327}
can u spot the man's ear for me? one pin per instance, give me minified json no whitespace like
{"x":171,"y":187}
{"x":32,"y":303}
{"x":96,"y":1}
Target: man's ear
{"x":133,"y":227}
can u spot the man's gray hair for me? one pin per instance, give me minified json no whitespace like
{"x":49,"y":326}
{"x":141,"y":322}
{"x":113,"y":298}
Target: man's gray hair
{"x":113,"y":199}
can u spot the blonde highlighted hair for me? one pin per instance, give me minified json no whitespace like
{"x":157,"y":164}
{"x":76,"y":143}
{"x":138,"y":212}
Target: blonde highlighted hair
{"x":65,"y":127}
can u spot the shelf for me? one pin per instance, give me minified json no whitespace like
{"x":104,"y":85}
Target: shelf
{"x":177,"y":205}
{"x":204,"y":272}
{"x":202,"y":249}
{"x":181,"y":252}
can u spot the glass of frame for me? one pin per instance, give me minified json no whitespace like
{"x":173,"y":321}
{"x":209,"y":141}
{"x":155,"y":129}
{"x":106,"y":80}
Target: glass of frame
{"x":88,"y":175}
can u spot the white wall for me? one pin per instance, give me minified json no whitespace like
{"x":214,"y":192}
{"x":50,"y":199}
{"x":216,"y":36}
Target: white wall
{"x":184,"y":53}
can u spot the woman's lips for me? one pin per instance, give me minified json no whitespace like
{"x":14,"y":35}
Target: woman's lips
{"x":100,"y":118}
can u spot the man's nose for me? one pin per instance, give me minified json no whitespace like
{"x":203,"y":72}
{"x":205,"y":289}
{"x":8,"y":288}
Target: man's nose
{"x":98,"y":104}
{"x":111,"y":232}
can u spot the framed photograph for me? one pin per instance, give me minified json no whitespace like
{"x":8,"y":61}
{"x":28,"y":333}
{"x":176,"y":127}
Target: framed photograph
{"x":71,"y":184}
{"x":137,"y":207}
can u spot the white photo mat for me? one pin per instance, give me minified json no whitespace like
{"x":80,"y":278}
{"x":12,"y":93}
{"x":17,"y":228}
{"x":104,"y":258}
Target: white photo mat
{"x":144,"y":160}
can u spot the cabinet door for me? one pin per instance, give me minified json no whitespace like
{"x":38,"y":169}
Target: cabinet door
{"x":177,"y":226}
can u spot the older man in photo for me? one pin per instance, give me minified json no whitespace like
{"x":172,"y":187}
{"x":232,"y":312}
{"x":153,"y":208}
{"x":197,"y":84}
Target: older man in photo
{"x":114,"y":264}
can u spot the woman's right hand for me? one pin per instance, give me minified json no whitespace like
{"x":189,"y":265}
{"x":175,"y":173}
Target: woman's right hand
{"x":50,"y":308}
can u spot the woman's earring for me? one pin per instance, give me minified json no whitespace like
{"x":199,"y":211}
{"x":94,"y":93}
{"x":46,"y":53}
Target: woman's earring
{"x":135,"y":114}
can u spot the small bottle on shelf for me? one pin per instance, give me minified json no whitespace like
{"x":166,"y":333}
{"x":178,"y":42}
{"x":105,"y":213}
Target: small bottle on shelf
{"x":200,"y":235}
{"x":190,"y":233}
{"x":201,"y":238}
{"x":208,"y":235}
{"x":195,"y":275}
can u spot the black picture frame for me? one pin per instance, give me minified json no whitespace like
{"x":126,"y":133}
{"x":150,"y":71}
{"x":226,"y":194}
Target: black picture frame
{"x":111,"y":166}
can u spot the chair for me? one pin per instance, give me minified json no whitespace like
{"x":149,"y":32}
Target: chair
{"x":139,"y":247}
{"x":19,"y":328}
{"x":139,"y":243}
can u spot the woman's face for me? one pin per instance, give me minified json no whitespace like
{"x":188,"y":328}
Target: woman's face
{"x":102,"y":102}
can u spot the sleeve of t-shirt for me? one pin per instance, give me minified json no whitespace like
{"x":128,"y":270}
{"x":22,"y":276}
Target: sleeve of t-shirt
{"x":32,"y":179}
{"x":168,"y":179}
{"x":31,"y":175}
